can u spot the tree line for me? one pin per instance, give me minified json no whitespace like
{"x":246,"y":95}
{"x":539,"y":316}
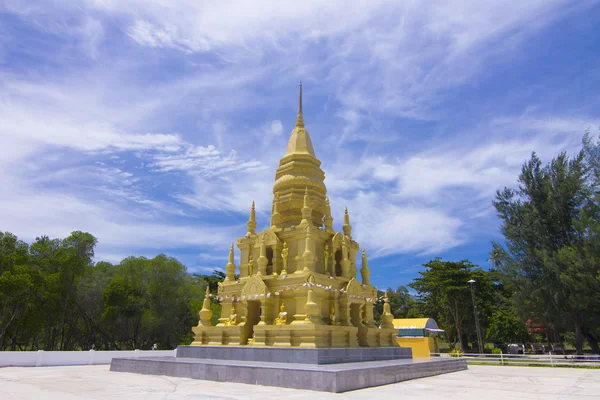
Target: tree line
{"x":54,"y":297}
{"x":545,"y":273}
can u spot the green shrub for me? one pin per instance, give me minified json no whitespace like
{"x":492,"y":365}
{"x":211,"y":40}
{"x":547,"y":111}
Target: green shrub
{"x":496,"y":351}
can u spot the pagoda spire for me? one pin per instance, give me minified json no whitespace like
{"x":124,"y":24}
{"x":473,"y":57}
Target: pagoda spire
{"x":262,"y":259}
{"x":347,"y":228}
{"x":328,"y":220}
{"x":206,"y":311}
{"x":308,"y":255}
{"x":276,"y":216}
{"x":252,"y":221}
{"x":306,"y":210}
{"x":299,"y":118}
{"x":364,"y":271}
{"x":230,"y":267}
{"x":387,"y":317}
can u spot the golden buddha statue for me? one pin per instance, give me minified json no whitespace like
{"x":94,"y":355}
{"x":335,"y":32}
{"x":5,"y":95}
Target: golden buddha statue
{"x":332,"y":317}
{"x":233,"y":317}
{"x":250,"y":265}
{"x":282,"y":316}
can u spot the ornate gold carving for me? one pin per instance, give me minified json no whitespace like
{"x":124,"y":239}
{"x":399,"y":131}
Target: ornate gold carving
{"x":254,"y":288}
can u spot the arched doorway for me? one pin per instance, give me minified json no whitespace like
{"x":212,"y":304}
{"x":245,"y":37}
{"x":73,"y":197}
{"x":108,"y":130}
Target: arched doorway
{"x":338,"y":263}
{"x":356,"y":320}
{"x":269,"y":260}
{"x":252,"y":318}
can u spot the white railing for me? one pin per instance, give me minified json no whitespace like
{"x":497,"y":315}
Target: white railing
{"x":42,"y":358}
{"x":550,"y":359}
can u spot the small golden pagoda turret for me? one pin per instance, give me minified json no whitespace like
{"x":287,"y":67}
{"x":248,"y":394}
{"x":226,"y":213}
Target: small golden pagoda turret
{"x":302,"y":290}
{"x":206,"y":312}
{"x":230,"y":267}
{"x":328,"y":219}
{"x":347,"y":228}
{"x":276,"y":217}
{"x":386,"y":317}
{"x":252,"y":221}
{"x":364,"y":271}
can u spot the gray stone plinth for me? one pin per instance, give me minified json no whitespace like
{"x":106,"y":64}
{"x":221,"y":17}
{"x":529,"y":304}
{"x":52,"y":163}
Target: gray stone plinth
{"x":295,"y":355}
{"x":311,"y":373}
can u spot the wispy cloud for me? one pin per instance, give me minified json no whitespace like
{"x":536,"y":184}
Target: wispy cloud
{"x":155,"y":124}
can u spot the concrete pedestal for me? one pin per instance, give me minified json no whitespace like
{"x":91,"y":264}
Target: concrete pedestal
{"x":331,"y":370}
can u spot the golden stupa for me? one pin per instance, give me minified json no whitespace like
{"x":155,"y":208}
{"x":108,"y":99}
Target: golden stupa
{"x":297,"y":283}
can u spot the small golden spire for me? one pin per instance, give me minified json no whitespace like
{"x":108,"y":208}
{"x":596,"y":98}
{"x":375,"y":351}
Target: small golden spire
{"x":306,"y":202}
{"x":276,"y":216}
{"x":328,"y":220}
{"x":300,"y":119}
{"x":347,"y":228}
{"x":230,"y":267}
{"x":252,"y":221}
{"x":364,"y":271}
{"x":207,"y":290}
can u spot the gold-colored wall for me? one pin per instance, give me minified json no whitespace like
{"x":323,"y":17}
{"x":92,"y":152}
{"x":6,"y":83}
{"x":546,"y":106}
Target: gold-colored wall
{"x":421,"y":346}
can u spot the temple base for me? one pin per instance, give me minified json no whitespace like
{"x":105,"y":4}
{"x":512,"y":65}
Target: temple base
{"x":330,"y":370}
{"x":307,"y":335}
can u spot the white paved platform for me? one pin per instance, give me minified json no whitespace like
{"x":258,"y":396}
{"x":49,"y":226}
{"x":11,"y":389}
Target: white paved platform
{"x":479,"y":382}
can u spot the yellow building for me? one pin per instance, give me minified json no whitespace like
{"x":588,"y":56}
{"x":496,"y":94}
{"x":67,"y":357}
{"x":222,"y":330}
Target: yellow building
{"x":298,"y":281}
{"x":421,"y":334}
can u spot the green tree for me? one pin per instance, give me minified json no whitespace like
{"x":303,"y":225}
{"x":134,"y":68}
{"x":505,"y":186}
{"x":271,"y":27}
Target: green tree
{"x":444,"y":289}
{"x":402,"y":304}
{"x":550,"y":257}
{"x":17,"y":281}
{"x":445,"y":294}
{"x":504,"y":326}
{"x":151,"y":302}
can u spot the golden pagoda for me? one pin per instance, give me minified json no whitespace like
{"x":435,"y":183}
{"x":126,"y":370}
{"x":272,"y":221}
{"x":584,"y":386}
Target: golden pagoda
{"x":297,"y":283}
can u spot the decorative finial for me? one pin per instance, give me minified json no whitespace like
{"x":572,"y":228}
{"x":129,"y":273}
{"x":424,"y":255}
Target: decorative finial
{"x":207,"y":290}
{"x":300,"y":119}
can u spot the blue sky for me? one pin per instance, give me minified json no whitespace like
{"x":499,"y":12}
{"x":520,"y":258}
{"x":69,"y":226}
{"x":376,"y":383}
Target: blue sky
{"x":154,"y":124}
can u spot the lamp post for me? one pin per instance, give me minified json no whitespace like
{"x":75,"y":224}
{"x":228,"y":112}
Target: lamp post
{"x":476,"y":313}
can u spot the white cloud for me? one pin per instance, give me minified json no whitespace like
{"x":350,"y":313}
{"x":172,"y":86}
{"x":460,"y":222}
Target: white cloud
{"x":276,"y":127}
{"x":30,"y":212}
{"x":376,"y":59}
{"x":386,"y":228}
